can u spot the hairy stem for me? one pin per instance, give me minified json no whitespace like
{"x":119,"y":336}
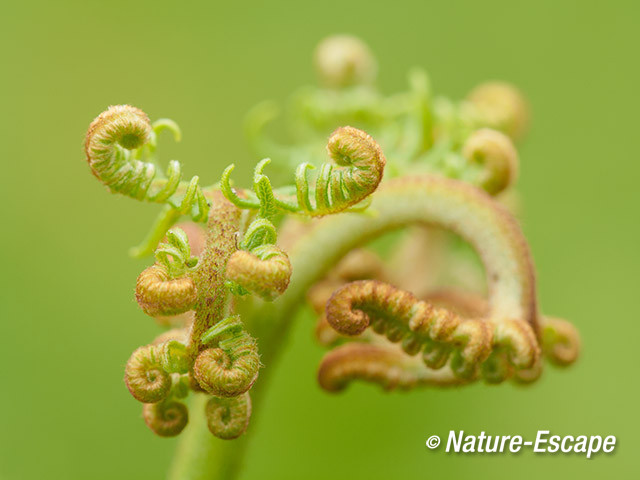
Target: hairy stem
{"x":200,"y":455}
{"x":212,"y":305}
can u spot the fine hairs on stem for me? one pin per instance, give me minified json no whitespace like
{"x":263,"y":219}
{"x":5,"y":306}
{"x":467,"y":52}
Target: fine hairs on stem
{"x":229,"y":288}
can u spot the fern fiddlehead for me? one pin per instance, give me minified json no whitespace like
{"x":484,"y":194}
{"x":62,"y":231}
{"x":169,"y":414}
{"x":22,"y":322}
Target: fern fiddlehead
{"x":230,"y":367}
{"x":145,"y":376}
{"x":265,"y":271}
{"x":164,"y":289}
{"x":115,"y":144}
{"x":357,"y":172}
{"x":166,"y":418}
{"x":108,"y":144}
{"x":359,"y":264}
{"x":259,"y":266}
{"x":228,"y":418}
{"x":416,"y":325}
{"x":158,"y":294}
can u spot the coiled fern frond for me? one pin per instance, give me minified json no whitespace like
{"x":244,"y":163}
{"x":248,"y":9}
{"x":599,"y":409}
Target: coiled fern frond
{"x":356,"y":171}
{"x":110,"y":147}
{"x":230,"y":366}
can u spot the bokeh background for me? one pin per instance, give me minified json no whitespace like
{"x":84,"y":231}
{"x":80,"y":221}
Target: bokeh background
{"x":69,"y":321}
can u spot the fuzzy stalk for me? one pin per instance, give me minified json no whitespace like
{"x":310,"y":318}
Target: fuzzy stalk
{"x":212,"y":304}
{"x":200,"y":455}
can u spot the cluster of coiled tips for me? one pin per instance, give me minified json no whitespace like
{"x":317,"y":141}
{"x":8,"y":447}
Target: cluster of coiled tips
{"x":225,"y":361}
{"x":161,"y":374}
{"x":223,"y":364}
{"x":211,"y":352}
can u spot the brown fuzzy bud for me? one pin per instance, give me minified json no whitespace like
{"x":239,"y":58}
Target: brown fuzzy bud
{"x":145,"y":376}
{"x":119,"y":125}
{"x":159,"y":295}
{"x":226,"y":374}
{"x":265,"y":271}
{"x":228,"y":418}
{"x":167,"y":418}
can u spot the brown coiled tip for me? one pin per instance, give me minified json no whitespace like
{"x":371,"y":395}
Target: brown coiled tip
{"x":223,"y":376}
{"x":529,"y":375}
{"x":476,"y":337}
{"x":159,"y":295}
{"x":228,"y":418}
{"x":519,"y":339}
{"x":144,"y":376}
{"x":349,"y":145}
{"x":267,"y":277}
{"x":167,"y":418}
{"x":342,"y":308}
{"x":129,"y":126}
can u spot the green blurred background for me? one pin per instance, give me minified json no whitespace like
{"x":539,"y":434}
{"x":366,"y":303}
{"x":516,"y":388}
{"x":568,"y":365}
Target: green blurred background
{"x":69,"y":321}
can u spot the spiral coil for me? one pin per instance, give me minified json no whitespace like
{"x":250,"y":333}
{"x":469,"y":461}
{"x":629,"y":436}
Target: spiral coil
{"x":228,"y":418}
{"x":108,"y":147}
{"x":357,"y":172}
{"x":436,"y":334}
{"x":230,"y":367}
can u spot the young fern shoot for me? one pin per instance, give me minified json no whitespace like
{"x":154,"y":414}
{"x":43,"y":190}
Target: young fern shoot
{"x":447,"y":166}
